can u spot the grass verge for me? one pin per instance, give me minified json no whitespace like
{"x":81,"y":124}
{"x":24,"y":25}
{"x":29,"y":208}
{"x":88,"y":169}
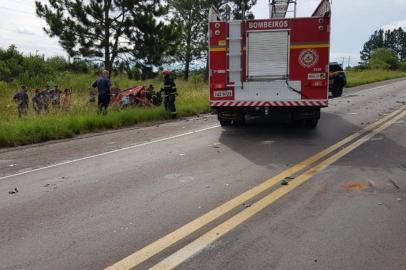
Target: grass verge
{"x":82,"y":117}
{"x":357,"y":78}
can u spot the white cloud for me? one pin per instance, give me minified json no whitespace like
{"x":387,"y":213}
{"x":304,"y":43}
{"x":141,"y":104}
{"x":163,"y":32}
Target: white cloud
{"x":21,"y":26}
{"x":24,"y":31}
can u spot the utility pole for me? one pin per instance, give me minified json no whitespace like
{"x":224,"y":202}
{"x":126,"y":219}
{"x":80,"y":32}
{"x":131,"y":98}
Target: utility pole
{"x":243,"y":9}
{"x":349,"y":61}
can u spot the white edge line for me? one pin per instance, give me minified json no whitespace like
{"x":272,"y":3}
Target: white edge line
{"x":110,"y":152}
{"x":136,"y":146}
{"x":382,"y":86}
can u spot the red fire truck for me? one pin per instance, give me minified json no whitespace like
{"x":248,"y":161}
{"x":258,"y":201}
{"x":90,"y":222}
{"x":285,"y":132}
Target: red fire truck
{"x":276,"y":67}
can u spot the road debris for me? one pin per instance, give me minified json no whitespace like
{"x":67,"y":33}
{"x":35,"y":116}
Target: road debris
{"x":371,"y":183}
{"x":359,"y":186}
{"x":284,"y":182}
{"x":380,"y":203}
{"x":14,"y":191}
{"x":181,"y":154}
{"x":394,"y":184}
{"x":215,"y":145}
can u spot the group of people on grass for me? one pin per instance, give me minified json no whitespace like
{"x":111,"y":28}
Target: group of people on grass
{"x":42,"y":100}
{"x":101,"y":88}
{"x":105,"y":92}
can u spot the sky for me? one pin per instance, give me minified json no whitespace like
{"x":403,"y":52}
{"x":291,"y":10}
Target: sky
{"x":353,"y":21}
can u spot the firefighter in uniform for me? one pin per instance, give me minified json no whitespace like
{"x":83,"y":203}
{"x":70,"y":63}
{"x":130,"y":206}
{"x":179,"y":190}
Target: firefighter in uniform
{"x":169,"y":93}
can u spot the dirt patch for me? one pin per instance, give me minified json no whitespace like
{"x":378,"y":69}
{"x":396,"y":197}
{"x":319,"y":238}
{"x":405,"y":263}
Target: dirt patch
{"x":358,"y":186}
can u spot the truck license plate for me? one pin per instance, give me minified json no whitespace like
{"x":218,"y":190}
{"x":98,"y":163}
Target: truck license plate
{"x":223,"y":93}
{"x":316,"y":76}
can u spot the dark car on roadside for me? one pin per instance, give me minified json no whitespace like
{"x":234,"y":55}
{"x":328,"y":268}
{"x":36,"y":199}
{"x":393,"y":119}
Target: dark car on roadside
{"x":337,"y":78}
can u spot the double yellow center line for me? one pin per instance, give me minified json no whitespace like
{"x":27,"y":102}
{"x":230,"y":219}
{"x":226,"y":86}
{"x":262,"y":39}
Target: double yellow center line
{"x":344,"y":147}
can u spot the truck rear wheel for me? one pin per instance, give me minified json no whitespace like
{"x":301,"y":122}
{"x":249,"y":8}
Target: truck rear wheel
{"x":311,"y":123}
{"x":225,"y":123}
{"x":337,"y":91}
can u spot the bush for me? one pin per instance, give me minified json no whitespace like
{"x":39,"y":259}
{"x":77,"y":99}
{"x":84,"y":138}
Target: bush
{"x":383,"y":59}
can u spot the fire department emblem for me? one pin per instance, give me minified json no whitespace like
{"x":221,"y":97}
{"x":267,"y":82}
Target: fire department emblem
{"x":308,"y":58}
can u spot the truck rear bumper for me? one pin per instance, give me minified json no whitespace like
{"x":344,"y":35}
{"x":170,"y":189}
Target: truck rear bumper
{"x":283,"y":113}
{"x":300,"y":103}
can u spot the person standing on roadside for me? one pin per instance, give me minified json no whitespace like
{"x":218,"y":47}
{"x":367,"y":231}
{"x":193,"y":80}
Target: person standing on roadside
{"x":170,"y":93}
{"x":36,"y":101}
{"x":103,"y":85}
{"x":21,"y":98}
{"x":56,"y":96}
{"x":45,"y":98}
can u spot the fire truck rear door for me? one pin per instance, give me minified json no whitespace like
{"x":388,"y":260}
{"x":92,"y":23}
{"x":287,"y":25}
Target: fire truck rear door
{"x":268,"y":55}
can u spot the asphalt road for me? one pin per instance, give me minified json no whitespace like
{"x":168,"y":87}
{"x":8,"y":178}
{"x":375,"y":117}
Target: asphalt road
{"x":103,"y":200}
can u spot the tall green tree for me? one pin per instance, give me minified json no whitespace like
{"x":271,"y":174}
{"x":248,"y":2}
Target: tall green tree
{"x":242,"y":6}
{"x":192,"y":23}
{"x":394,"y":40}
{"x":108,"y":29}
{"x":192,"y":18}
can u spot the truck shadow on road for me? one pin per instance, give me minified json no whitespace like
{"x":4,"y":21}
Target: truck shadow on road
{"x":268,"y":143}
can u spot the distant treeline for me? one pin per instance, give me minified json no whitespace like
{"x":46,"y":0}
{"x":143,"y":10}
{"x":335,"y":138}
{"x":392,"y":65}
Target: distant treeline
{"x":36,"y":70}
{"x":384,"y":50}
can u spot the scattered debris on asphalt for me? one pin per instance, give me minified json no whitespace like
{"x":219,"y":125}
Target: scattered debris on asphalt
{"x":12,"y":165}
{"x":371,"y":183}
{"x":358,"y":186}
{"x":394,"y":184}
{"x":14,"y":191}
{"x":284,"y":182}
{"x":181,"y":154}
{"x":246,"y":205}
